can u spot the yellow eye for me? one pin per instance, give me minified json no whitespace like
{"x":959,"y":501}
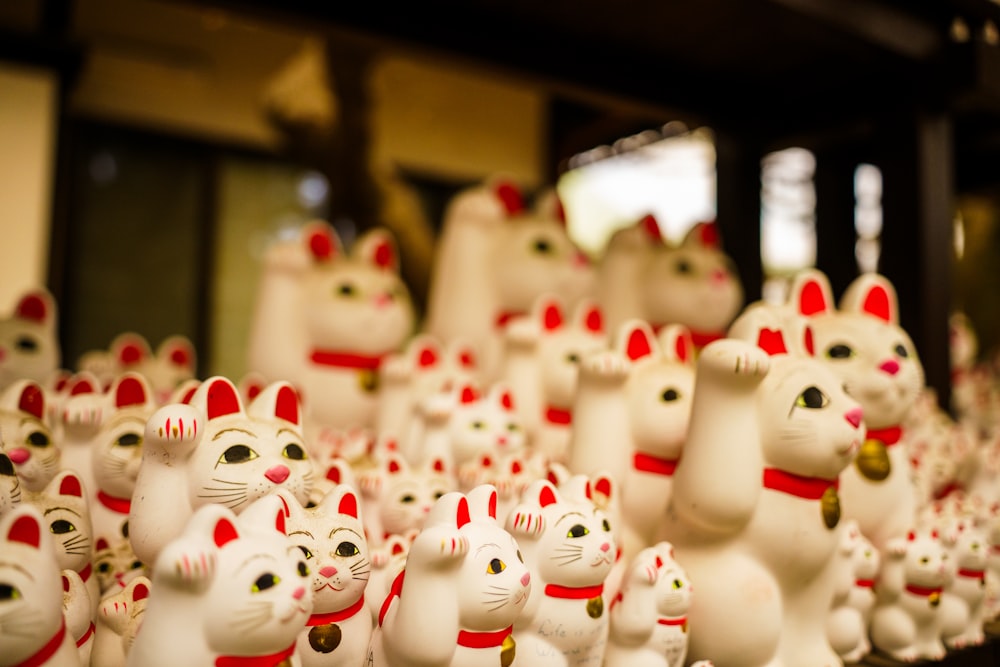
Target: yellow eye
{"x":678,"y":584}
{"x":8,"y":592}
{"x":264,"y":582}
{"x":579,"y":530}
{"x":303,"y":569}
{"x":306,"y":552}
{"x":496,"y":566}
{"x":347,"y":549}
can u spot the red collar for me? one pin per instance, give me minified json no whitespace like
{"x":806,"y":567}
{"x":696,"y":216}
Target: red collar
{"x":703,"y":338}
{"x":972,"y":574}
{"x":254,"y":660}
{"x":505,"y":316}
{"x":888,"y":436}
{"x":654,"y":464}
{"x":85,"y":572}
{"x":810,"y":488}
{"x":336,"y":616}
{"x":346,"y":359}
{"x":672,"y":620}
{"x":923,"y":591}
{"x":47,"y":651}
{"x":118,"y":505}
{"x":472,"y":639}
{"x":865,"y":583}
{"x":571,"y":593}
{"x":86,"y":635}
{"x":560,"y":416}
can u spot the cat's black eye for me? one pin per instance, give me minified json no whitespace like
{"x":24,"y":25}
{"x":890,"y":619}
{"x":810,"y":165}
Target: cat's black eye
{"x":136,"y":564}
{"x":264,"y":582}
{"x":311,"y":504}
{"x":347,"y":549}
{"x":924,"y":560}
{"x":901,"y":351}
{"x":238,"y":454}
{"x":8,"y":592}
{"x":129,"y":440}
{"x":513,"y":428}
{"x":103,"y":568}
{"x":6,"y":467}
{"x":573,"y":358}
{"x":671,"y":395}
{"x":303,"y":569}
{"x":346,"y":289}
{"x":26,"y":344}
{"x":61,"y":527}
{"x":678,"y":584}
{"x":39,"y":439}
{"x":408,"y":498}
{"x":478,"y":425}
{"x":519,"y":556}
{"x":293,"y":452}
{"x":542,"y":246}
{"x":840,"y":351}
{"x":812,"y":398}
{"x":606,"y":525}
{"x":496,"y":566}
{"x":578,"y":530}
{"x":683,"y":266}
{"x":306,"y":552}
{"x":438,"y":494}
{"x":125,"y":529}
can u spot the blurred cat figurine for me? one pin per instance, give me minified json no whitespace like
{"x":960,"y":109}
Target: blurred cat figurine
{"x":854,"y":596}
{"x":232,"y":587}
{"x":116,"y":565}
{"x":471,"y":569}
{"x":80,"y":415}
{"x":962,"y":612}
{"x":29,"y":347}
{"x":32,"y":626}
{"x":324,"y":320}
{"x":118,"y":620}
{"x":864,"y":345}
{"x":173,"y":363}
{"x":25,"y":437}
{"x":215,"y":451}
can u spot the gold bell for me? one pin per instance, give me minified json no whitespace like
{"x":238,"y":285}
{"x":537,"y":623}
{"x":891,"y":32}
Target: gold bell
{"x":507,"y":651}
{"x":830,"y":505}
{"x":595,"y":607}
{"x":873,"y":460}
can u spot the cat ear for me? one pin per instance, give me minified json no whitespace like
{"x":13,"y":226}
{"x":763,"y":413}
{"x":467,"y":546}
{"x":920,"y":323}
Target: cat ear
{"x":549,"y":205}
{"x":184,"y":392}
{"x":703,"y":235}
{"x":321,"y":241}
{"x":450,"y":509}
{"x":602,"y":490}
{"x":395,"y":464}
{"x":426,"y":352}
{"x":273,"y":509}
{"x":810,"y":293}
{"x":278,"y":399}
{"x":636,"y":340}
{"x":101,"y":544}
{"x":464,"y":356}
{"x":588,"y":316}
{"x":217,"y":397}
{"x":342,"y":499}
{"x":502,"y":396}
{"x":509,"y":196}
{"x":131,"y":389}
{"x":483,"y":501}
{"x":468,"y":394}
{"x":651,"y":228}
{"x":67,"y":483}
{"x":377,"y":247}
{"x":549,"y":312}
{"x":547,"y":494}
{"x":178,"y":351}
{"x":872,"y":294}
{"x":25,"y":396}
{"x":250,"y":386}
{"x":84,"y":382}
{"x":676,"y":344}
{"x":438,"y":465}
{"x":130,"y":348}
{"x":771,"y":341}
{"x":37,"y":306}
{"x":23,"y":525}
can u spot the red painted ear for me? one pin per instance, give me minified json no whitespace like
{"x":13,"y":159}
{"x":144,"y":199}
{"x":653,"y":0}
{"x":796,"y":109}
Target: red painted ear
{"x":771,"y":341}
{"x":394,"y":466}
{"x":129,"y":392}
{"x":438,"y":466}
{"x":32,"y":307}
{"x":638,"y":345}
{"x":62,"y":381}
{"x":279,"y":521}
{"x":492,"y":505}
{"x":587,"y":490}
{"x":286,"y":405}
{"x":428,"y":357}
{"x":603,"y":486}
{"x":547,"y":496}
{"x":552,"y":317}
{"x":397,"y":548}
{"x":131,"y":353}
{"x":684,"y":347}
{"x":224,"y":532}
{"x":222,"y":399}
{"x":559,"y":211}
{"x":384,"y":255}
{"x":26,"y":531}
{"x":65,"y":585}
{"x":349,"y":505}
{"x":708,"y":234}
{"x":812,"y":299}
{"x":593,"y":320}
{"x":101,"y":544}
{"x":507,"y":401}
{"x":553,"y":480}
{"x":510,"y":197}
{"x":82,"y":386}
{"x":486,"y":461}
{"x":659,"y":562}
{"x":652,"y":228}
{"x":467,"y":359}
{"x":462,"y":512}
{"x":911,"y":536}
{"x":71,"y":486}
{"x":516,"y":467}
{"x":189,"y":394}
{"x":321,"y":243}
{"x":32,"y":400}
{"x":140,"y":592}
{"x":807,"y":341}
{"x":468,"y":395}
{"x":180,"y":355}
{"x":333,"y":474}
{"x":877,"y":303}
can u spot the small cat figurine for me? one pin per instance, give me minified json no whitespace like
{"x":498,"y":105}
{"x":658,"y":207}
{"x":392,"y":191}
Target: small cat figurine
{"x":470,"y":570}
{"x":962,"y":612}
{"x":116,"y":565}
{"x":25,"y":437}
{"x":173,"y":363}
{"x":332,"y":539}
{"x":649,"y":615}
{"x":32,"y":626}
{"x":854,"y":596}
{"x":82,"y":410}
{"x":118,"y":620}
{"x":570,"y":550}
{"x":862,"y":342}
{"x":232,"y":587}
{"x":485,"y":425}
{"x":29,"y":347}
{"x":215,"y":451}
{"x":324,"y":320}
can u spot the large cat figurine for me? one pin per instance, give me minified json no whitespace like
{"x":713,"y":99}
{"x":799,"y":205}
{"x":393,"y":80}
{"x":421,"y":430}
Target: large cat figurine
{"x":324,"y":320}
{"x":570,"y":549}
{"x":29,"y":346}
{"x":862,"y":342}
{"x":32,"y":626}
{"x":772,"y":428}
{"x":227,"y":591}
{"x":25,"y":436}
{"x":215,"y":451}
{"x":493,"y":259}
{"x":332,"y":539}
{"x":456,"y":601}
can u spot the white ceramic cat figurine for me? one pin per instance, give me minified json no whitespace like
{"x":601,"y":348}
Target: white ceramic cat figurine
{"x":906,"y":621}
{"x":215,"y":451}
{"x":116,"y":565}
{"x":324,"y":320}
{"x":469,"y":570}
{"x":541,"y":364}
{"x":854,"y":597}
{"x":65,"y":504}
{"x":83,"y":407}
{"x":864,"y":345}
{"x":118,"y":620}
{"x":569,"y":547}
{"x":494,"y":258}
{"x":173,"y":363}
{"x":962,"y":612}
{"x":331,"y":537}
{"x":78,"y":612}
{"x":788,"y":432}
{"x":32,"y":627}
{"x":649,"y":625}
{"x":29,"y":347}
{"x":117,"y":454}
{"x":232,"y":587}
{"x":25,"y":437}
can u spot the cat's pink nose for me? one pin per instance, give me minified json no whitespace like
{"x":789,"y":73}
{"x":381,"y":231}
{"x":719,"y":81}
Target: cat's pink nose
{"x":605,"y":547}
{"x":853,"y":417}
{"x":328,"y":571}
{"x":383,"y":300}
{"x":580,"y":259}
{"x":526,"y":579}
{"x":299,"y":593}
{"x":277,"y":474}
{"x":502,"y":440}
{"x":719,"y":276}
{"x":18,"y":455}
{"x":891,"y":367}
